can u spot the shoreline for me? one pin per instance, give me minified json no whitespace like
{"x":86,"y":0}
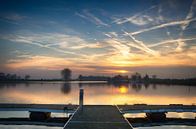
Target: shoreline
{"x":183,"y":82}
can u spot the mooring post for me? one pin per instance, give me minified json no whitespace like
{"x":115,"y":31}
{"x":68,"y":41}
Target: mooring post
{"x":81,"y":97}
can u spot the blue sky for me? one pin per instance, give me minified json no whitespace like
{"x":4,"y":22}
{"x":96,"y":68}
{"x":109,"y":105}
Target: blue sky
{"x":98,"y":37}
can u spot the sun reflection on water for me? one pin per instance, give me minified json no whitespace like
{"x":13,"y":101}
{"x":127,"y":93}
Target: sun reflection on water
{"x":123,"y":89}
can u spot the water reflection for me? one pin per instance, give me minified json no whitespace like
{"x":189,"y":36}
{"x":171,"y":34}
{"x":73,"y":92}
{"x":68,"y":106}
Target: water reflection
{"x":26,"y":127}
{"x":123,"y":89}
{"x":66,"y":88}
{"x":169,"y":127}
{"x":95,"y":93}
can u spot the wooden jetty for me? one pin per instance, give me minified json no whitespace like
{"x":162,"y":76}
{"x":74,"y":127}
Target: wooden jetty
{"x":144,"y":108}
{"x":97,"y":117}
{"x":63,"y":108}
{"x":58,"y":108}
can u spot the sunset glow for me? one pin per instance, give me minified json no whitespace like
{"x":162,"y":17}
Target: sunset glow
{"x":95,"y":39}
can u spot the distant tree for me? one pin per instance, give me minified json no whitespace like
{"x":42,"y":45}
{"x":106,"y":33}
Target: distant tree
{"x":154,"y":76}
{"x":80,"y":77}
{"x":139,"y":77}
{"x":18,"y":77}
{"x":13,"y":76}
{"x":27,"y":77}
{"x":2,"y":76}
{"x":146,"y":77}
{"x":8,"y":76}
{"x":136,"y":77}
{"x":66,"y":74}
{"x":133,"y":77}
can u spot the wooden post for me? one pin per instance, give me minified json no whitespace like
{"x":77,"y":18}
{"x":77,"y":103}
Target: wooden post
{"x":81,"y":97}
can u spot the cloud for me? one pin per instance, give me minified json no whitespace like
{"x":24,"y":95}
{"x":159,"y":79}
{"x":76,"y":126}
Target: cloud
{"x":111,"y":34}
{"x":170,"y":41}
{"x":58,"y":42}
{"x":81,"y":46}
{"x":137,"y":20}
{"x":173,"y":23}
{"x":92,"y":18}
{"x":119,"y":47}
{"x":183,"y":26}
{"x":38,"y":62}
{"x":31,"y":40}
{"x":190,"y":15}
{"x":141,"y":46}
{"x":14,"y":17}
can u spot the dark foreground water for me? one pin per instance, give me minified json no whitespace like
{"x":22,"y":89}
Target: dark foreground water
{"x":95,"y":93}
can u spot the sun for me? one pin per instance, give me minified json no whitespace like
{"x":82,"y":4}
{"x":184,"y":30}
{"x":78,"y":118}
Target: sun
{"x":122,"y":71}
{"x":123,"y":89}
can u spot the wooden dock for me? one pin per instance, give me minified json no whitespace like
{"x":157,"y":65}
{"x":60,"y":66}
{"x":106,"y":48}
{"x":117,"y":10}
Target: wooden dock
{"x":144,"y":108}
{"x":63,"y":108}
{"x":97,"y":117}
{"x":59,"y":108}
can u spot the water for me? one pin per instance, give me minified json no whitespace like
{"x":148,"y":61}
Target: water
{"x":97,"y":93}
{"x":26,"y":127}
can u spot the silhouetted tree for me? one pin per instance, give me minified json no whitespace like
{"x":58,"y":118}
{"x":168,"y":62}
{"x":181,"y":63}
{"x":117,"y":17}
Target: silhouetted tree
{"x":14,"y":76}
{"x":27,"y":77}
{"x":80,"y":77}
{"x":66,"y":88}
{"x":154,"y":76}
{"x":146,"y":77}
{"x":2,"y":76}
{"x":8,"y":76}
{"x":133,"y":77}
{"x":136,"y":77}
{"x":18,"y":78}
{"x":119,"y":79}
{"x":66,"y":74}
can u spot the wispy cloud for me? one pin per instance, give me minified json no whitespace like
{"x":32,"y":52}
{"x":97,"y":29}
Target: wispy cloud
{"x":39,"y":62}
{"x":173,"y":23}
{"x":171,"y":41}
{"x":119,"y":47}
{"x":45,"y":41}
{"x":14,"y":17}
{"x":83,"y":45}
{"x":111,"y":34}
{"x":137,"y":20}
{"x":141,"y":46}
{"x":92,"y":18}
{"x":190,"y":15}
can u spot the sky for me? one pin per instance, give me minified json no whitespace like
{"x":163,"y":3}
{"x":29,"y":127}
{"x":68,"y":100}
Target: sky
{"x":41,"y":37}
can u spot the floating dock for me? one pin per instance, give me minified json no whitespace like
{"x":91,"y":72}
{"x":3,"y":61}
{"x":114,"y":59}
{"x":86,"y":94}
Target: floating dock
{"x":57,"y":108}
{"x":97,"y":117}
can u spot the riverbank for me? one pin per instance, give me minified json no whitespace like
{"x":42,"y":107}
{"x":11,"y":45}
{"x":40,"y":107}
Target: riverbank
{"x":187,"y":82}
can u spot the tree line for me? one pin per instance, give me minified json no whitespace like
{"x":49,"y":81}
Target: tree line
{"x":135,"y":78}
{"x":8,"y":77}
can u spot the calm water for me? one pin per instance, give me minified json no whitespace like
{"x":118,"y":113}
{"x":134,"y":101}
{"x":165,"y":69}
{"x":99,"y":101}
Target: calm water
{"x":99,"y":93}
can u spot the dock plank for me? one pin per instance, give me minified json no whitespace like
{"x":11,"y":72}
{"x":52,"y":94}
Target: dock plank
{"x":144,"y":108}
{"x":98,"y":117}
{"x":37,"y":107}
